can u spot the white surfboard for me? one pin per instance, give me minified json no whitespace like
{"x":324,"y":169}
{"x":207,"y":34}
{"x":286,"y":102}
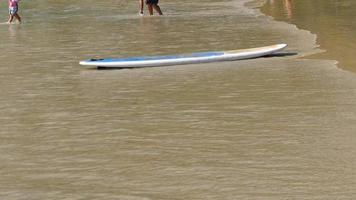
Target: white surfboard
{"x":200,"y":57}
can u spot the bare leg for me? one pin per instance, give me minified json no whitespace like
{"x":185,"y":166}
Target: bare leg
{"x":17,"y":16}
{"x":158,"y":9}
{"x":141,"y":7}
{"x":150,"y":9}
{"x":10,"y":19}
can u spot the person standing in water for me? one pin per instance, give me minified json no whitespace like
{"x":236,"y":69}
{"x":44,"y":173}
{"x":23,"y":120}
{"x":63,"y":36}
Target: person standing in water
{"x":151,"y":4}
{"x":13,"y":11}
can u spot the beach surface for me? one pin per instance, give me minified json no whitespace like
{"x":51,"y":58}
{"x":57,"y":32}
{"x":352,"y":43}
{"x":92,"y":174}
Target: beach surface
{"x":330,"y":20}
{"x":279,"y":127}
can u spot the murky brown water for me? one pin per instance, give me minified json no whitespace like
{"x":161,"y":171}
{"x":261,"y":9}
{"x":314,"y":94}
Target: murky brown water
{"x":333,"y":22}
{"x":269,"y":128}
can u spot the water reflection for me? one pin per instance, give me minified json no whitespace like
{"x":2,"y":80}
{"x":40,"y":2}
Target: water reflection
{"x":288,"y":6}
{"x":14,"y":30}
{"x":150,"y":29}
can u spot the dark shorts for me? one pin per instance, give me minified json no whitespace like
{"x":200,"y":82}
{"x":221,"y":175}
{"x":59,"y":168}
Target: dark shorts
{"x":13,"y":10}
{"x":151,"y":1}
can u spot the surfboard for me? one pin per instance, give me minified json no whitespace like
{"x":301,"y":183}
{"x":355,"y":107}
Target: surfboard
{"x":192,"y":58}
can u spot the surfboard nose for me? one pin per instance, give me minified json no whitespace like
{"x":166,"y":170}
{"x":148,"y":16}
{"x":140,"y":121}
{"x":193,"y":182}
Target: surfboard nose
{"x":282,"y":46}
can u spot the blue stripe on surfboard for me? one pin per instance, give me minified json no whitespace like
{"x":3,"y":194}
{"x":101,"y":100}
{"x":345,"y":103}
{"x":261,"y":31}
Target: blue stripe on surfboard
{"x":150,"y":58}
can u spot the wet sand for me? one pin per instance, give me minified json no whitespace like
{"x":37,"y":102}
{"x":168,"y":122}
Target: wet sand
{"x":332,"y":22}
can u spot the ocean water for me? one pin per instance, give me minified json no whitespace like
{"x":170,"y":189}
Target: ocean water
{"x":271,"y":128}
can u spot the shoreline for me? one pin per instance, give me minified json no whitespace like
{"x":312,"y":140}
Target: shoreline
{"x":305,"y":42}
{"x":333,"y":33}
{"x":306,"y":46}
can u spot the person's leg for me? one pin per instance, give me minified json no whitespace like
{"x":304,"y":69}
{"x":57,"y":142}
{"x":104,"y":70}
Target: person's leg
{"x":11,"y":17}
{"x":17,"y":16}
{"x":141,"y":7}
{"x":158,"y":9}
{"x":150,"y":9}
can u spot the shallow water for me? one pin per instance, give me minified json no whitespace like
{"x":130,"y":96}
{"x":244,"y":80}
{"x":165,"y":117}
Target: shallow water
{"x":269,"y":128}
{"x":331,"y":20}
